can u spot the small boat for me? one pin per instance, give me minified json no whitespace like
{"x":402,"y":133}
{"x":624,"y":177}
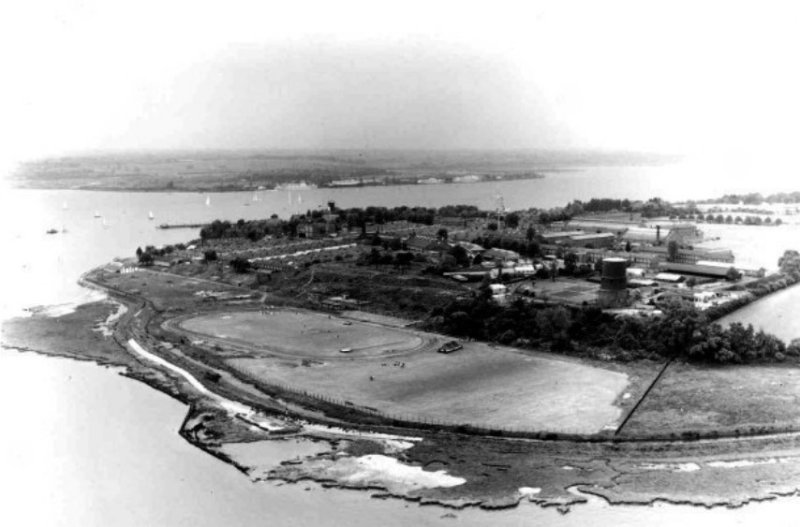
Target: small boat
{"x":52,"y":231}
{"x":96,"y":214}
{"x":150,"y":215}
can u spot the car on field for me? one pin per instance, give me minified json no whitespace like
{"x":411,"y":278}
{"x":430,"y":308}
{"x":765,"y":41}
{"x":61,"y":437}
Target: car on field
{"x":450,"y":346}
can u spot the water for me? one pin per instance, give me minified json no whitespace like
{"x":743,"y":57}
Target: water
{"x":776,"y":314}
{"x":69,"y":459}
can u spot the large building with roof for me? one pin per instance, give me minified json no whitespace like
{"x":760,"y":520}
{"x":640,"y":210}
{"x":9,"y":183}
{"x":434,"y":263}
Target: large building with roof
{"x":714,"y":270}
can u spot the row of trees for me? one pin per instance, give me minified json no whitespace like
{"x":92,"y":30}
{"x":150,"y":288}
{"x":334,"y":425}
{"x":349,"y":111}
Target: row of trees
{"x":747,"y":220}
{"x":754,"y":198}
{"x":352,"y":218}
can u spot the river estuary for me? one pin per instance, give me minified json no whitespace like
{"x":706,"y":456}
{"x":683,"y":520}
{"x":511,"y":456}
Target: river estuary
{"x":79,"y":438}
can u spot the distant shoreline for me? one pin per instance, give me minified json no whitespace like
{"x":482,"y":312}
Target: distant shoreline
{"x":28,"y":184}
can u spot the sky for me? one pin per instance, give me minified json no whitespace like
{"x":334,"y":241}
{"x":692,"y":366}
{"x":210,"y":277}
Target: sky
{"x":673,"y":77}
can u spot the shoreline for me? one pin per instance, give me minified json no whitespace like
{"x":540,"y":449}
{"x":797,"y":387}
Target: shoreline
{"x":477,"y":454}
{"x":25,"y":184}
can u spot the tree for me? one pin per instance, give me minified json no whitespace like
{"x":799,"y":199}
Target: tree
{"x":570,"y":263}
{"x":790,"y":262}
{"x":210,"y":256}
{"x":492,"y":226}
{"x":138,"y":252}
{"x":460,"y":254}
{"x":733,"y":275}
{"x":374,"y":257}
{"x":404,"y":259}
{"x":512,"y":220}
{"x":628,"y":246}
{"x":240,"y":265}
{"x":530,"y":234}
{"x":146,"y":258}
{"x":442,"y":234}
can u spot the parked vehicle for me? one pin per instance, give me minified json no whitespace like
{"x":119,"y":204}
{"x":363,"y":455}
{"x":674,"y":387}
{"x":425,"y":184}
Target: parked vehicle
{"x":450,"y":347}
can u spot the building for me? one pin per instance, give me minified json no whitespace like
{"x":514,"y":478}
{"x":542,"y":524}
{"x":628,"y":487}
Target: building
{"x":613,"y":283}
{"x":473,"y":249}
{"x":502,"y":255}
{"x":558,"y":237}
{"x":417,"y":243}
{"x":709,"y":271}
{"x":670,"y":278}
{"x":592,"y":241}
{"x":689,"y":256}
{"x":499,"y":292}
{"x":646,"y":235}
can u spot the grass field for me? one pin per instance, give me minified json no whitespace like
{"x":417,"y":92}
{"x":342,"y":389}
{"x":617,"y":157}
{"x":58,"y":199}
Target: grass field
{"x":305,"y":334}
{"x":697,"y":398}
{"x":482,"y":385}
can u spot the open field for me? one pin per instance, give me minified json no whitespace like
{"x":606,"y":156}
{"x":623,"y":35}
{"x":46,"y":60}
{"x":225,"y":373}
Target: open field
{"x":571,"y":290}
{"x":729,"y":398}
{"x":482,"y":385}
{"x":305,"y":334}
{"x":171,"y":290}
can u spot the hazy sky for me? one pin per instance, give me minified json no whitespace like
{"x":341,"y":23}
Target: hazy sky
{"x":664,"y":76}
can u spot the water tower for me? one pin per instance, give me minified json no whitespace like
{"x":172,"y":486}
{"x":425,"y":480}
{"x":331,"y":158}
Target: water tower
{"x":613,"y":283}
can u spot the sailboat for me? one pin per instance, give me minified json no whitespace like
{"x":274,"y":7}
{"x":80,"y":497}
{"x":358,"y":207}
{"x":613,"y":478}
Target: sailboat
{"x":255,"y":196}
{"x":150,"y":215}
{"x":208,"y":201}
{"x":105,"y":224}
{"x":64,"y":206}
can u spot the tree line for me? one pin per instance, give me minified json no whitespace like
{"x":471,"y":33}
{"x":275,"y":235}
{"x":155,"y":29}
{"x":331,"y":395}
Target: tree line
{"x":352,"y":218}
{"x":682,"y":331}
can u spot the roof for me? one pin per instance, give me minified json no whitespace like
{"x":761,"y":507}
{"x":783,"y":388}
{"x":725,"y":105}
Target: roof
{"x":705,"y":270}
{"x":474,"y":247}
{"x":593,"y":236}
{"x":501,"y":253}
{"x":562,"y":234}
{"x":669,"y":277}
{"x":419,"y":242}
{"x":712,"y":263}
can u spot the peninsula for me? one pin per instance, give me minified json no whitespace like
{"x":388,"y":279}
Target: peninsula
{"x":461,"y":357}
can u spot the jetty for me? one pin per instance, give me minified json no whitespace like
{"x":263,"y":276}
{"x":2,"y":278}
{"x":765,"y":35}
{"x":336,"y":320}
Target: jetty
{"x":180,"y":225}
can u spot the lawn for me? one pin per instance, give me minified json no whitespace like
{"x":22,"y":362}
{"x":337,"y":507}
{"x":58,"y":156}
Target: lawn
{"x":704,"y":398}
{"x":482,"y":384}
{"x":305,"y":334}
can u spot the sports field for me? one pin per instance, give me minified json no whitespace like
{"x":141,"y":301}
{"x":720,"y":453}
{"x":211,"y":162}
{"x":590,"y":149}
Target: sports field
{"x":304,"y":334}
{"x":482,"y":385}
